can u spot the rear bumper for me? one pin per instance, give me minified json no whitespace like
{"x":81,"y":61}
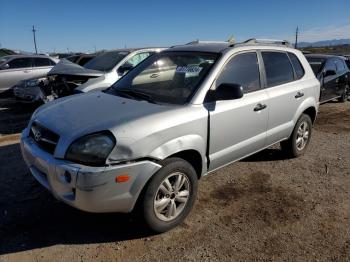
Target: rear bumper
{"x":91,"y":189}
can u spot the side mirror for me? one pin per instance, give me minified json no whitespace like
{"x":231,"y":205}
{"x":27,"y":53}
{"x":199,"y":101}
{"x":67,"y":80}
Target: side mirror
{"x":329,"y":73}
{"x":228,"y":91}
{"x":5,"y":66}
{"x":125,"y":68}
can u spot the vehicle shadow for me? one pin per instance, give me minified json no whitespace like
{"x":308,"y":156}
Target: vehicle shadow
{"x":266,"y":155}
{"x":31,"y":218}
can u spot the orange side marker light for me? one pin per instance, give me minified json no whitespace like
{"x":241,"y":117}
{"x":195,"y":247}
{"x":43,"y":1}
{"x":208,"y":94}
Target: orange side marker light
{"x":122,"y":178}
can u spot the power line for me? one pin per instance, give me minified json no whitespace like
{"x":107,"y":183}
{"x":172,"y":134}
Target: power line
{"x":33,"y":30}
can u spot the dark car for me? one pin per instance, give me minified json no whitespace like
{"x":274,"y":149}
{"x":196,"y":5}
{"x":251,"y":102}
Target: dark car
{"x":81,"y":59}
{"x":333,"y":74}
{"x":347,"y":60}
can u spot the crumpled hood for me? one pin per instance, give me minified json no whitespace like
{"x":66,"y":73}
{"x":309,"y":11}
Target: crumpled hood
{"x":66,"y":67}
{"x":77,"y":115}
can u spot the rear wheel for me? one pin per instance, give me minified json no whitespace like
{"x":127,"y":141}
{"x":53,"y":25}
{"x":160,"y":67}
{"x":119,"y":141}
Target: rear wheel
{"x":345,"y":94}
{"x":170,"y":195}
{"x":298,"y":142}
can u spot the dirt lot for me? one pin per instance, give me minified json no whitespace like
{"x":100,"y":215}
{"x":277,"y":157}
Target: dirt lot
{"x":266,"y":207}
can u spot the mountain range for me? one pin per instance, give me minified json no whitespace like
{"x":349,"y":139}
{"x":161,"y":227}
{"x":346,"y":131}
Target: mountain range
{"x":333,"y":42}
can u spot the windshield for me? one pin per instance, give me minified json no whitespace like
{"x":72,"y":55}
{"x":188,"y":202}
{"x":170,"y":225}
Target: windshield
{"x":4,"y":59}
{"x":167,"y":77}
{"x":316,"y":63}
{"x":106,"y":61}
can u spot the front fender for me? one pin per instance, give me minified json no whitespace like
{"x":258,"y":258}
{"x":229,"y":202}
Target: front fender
{"x":179,"y":144}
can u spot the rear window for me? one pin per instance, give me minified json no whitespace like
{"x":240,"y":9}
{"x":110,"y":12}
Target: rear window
{"x":278,"y":68}
{"x":298,"y":68}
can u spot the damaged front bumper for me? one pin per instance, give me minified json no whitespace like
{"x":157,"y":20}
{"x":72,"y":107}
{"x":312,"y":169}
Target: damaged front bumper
{"x":28,"y":94}
{"x":92,"y":189}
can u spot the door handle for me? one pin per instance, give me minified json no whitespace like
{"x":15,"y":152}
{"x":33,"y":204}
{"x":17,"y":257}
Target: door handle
{"x":25,"y":71}
{"x":259,"y":107}
{"x":299,"y":94}
{"x":154,"y":75}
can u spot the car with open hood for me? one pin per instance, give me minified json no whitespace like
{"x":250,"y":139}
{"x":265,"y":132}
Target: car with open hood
{"x":177,"y":116}
{"x":68,"y":78}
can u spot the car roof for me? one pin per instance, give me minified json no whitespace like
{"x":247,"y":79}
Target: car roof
{"x":225,"y":46}
{"x":210,"y":47}
{"x":29,"y":56}
{"x":131,"y":49}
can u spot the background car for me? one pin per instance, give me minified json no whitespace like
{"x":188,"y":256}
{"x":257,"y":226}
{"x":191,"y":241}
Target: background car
{"x":67,"y":78}
{"x":15,"y":68}
{"x":333,"y":74}
{"x":81,"y":59}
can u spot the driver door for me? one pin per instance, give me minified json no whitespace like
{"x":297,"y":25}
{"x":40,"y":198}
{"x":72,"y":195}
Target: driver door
{"x":238,"y":127}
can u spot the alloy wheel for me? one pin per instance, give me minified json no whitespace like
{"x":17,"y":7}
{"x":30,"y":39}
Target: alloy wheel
{"x":172,"y":196}
{"x":302,"y":135}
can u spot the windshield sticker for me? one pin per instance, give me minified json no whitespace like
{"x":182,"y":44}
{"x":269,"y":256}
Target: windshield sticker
{"x":191,"y":70}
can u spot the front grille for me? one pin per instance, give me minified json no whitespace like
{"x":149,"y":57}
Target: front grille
{"x":44,"y":138}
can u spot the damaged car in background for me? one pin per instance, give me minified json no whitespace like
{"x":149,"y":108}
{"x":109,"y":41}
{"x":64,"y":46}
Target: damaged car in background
{"x":68,"y":78}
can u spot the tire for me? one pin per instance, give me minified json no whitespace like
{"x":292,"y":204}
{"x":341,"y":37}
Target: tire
{"x":162,"y":219}
{"x":294,"y":147}
{"x":345,"y":95}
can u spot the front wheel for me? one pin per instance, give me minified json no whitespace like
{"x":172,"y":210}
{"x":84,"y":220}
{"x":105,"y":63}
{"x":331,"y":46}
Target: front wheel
{"x":298,"y":142}
{"x":170,"y":195}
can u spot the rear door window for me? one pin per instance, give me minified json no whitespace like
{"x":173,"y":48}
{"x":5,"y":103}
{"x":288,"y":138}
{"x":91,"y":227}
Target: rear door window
{"x":20,"y":63}
{"x":242,"y":69}
{"x":278,"y":68}
{"x":298,"y":68}
{"x":38,"y":62}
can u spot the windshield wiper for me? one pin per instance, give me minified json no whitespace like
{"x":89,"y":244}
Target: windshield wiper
{"x":131,"y":93}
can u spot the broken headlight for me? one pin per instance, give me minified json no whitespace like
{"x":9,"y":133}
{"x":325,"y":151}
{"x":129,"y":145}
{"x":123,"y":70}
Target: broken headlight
{"x":31,"y":82}
{"x":91,"y":150}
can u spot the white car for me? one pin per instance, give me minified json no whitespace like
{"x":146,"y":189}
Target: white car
{"x":67,"y":78}
{"x":14,"y":68}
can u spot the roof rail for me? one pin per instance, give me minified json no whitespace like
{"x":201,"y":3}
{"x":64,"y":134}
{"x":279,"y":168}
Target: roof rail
{"x":205,"y":42}
{"x":265,"y":41}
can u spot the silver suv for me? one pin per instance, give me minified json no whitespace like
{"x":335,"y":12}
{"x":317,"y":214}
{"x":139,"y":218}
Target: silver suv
{"x":177,"y":116}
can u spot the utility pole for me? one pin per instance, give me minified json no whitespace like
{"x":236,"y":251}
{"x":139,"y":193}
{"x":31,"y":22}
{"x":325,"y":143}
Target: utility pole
{"x":296,"y":37}
{"x":36,"y":50}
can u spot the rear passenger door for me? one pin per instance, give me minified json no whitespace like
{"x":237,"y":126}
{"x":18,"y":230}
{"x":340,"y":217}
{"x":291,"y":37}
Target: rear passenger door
{"x":286,"y":91}
{"x":41,"y":66}
{"x":330,"y":82}
{"x":342,"y":76}
{"x":238,"y":127}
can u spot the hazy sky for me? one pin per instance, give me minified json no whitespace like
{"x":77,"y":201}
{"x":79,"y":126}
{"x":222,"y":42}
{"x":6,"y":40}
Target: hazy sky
{"x":83,"y":25}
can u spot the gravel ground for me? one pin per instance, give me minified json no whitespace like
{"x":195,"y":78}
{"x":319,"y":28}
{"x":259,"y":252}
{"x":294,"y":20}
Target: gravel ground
{"x":265,"y":207}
